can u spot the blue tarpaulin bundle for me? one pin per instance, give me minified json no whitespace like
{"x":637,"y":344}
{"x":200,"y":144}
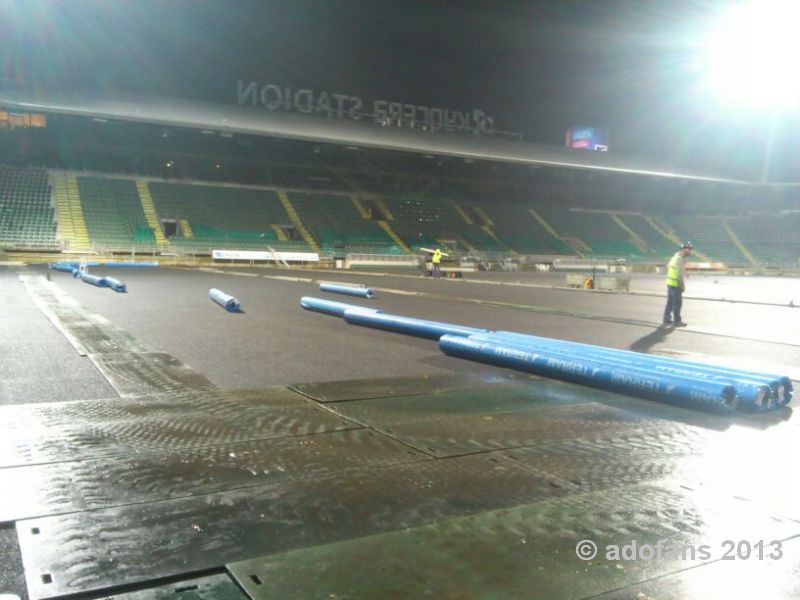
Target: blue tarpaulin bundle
{"x":226,"y":301}
{"x":686,"y":383}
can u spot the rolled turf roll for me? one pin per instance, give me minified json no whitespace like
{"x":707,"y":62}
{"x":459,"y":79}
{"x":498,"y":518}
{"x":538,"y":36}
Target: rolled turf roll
{"x":711,"y":396}
{"x":226,"y":301}
{"x":348,"y":290}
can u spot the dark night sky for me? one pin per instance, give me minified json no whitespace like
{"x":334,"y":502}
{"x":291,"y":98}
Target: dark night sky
{"x":537,"y":67}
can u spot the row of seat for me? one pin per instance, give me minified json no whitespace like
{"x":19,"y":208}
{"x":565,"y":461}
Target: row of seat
{"x":231,"y":216}
{"x":26,"y":212}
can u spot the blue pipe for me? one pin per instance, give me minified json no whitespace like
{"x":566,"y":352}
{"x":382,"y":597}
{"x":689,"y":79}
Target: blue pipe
{"x":347,"y":290}
{"x":76,"y":264}
{"x":93,"y":279}
{"x":131,"y":264}
{"x":227,"y":302}
{"x":781,"y":386}
{"x":116,"y":285}
{"x":329,"y":307}
{"x":705,"y":395}
{"x":431,"y":330}
{"x":751,"y":394}
{"x":60,"y":266}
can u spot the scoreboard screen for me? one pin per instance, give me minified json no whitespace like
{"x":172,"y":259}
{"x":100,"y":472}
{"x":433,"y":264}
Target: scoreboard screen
{"x":587,"y":138}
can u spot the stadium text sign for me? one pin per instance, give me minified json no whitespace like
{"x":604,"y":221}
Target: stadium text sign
{"x":346,"y":106}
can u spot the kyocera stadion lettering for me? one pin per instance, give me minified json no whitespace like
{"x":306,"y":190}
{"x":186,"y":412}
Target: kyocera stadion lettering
{"x":344,"y":106}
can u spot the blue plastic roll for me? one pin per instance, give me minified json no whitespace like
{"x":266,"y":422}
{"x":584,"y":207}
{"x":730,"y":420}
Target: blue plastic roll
{"x":347,"y":290}
{"x":710,"y":396}
{"x":329,"y":307}
{"x":751,"y":395}
{"x":780,"y":386}
{"x":431,"y":330}
{"x":93,"y":279}
{"x":116,"y":285}
{"x":226,"y":301}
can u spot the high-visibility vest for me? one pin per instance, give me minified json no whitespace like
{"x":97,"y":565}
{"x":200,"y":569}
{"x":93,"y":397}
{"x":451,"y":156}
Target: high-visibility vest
{"x":673,"y":272}
{"x":437,"y":257}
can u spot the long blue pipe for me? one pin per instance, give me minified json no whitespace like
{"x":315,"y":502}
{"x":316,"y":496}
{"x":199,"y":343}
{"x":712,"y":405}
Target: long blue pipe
{"x":753,"y":395}
{"x":347,"y":290}
{"x":226,"y":301}
{"x":93,"y":279}
{"x":329,"y":307}
{"x":60,"y":266}
{"x":781,"y":386}
{"x":116,"y":285}
{"x":431,"y":330}
{"x":131,"y":264}
{"x":705,"y":395}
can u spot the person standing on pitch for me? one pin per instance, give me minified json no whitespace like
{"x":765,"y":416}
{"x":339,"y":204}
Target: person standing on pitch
{"x":436,"y":261}
{"x":676,"y":285}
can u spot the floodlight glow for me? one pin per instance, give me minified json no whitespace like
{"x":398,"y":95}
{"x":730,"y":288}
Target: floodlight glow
{"x":752,"y":59}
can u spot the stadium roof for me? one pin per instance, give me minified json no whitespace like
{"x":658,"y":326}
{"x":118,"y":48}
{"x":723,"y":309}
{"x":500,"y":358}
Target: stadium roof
{"x":243,"y":120}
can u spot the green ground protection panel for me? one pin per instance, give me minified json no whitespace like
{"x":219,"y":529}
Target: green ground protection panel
{"x":64,"y":487}
{"x":213,"y":587}
{"x":46,"y":433}
{"x":94,"y":550}
{"x":358,"y":389}
{"x":454,"y":434}
{"x":729,"y":579}
{"x":139,"y":373}
{"x":522,"y":552}
{"x":509,"y":397}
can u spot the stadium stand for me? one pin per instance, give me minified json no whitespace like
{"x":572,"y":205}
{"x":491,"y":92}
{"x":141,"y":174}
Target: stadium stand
{"x":113,"y":212}
{"x":26,"y":211}
{"x":335,"y":221}
{"x":224,"y":216}
{"x":425,"y":222}
{"x":593,"y":233}
{"x":772,"y":239}
{"x":710,"y":237}
{"x":120,"y":212}
{"x":658,"y":246}
{"x":517,"y":228}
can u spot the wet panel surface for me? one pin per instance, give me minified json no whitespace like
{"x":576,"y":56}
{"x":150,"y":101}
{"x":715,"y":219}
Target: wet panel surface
{"x":522,"y":552}
{"x":139,"y":373}
{"x":451,"y":435}
{"x":213,"y":587}
{"x":738,"y":579}
{"x":94,"y":428}
{"x":93,"y":550}
{"x":65,"y":487}
{"x":360,"y":389}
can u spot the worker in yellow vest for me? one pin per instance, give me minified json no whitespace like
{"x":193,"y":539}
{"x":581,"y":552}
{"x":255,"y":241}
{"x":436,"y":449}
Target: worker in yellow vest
{"x":436,"y":261}
{"x":676,"y":285}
